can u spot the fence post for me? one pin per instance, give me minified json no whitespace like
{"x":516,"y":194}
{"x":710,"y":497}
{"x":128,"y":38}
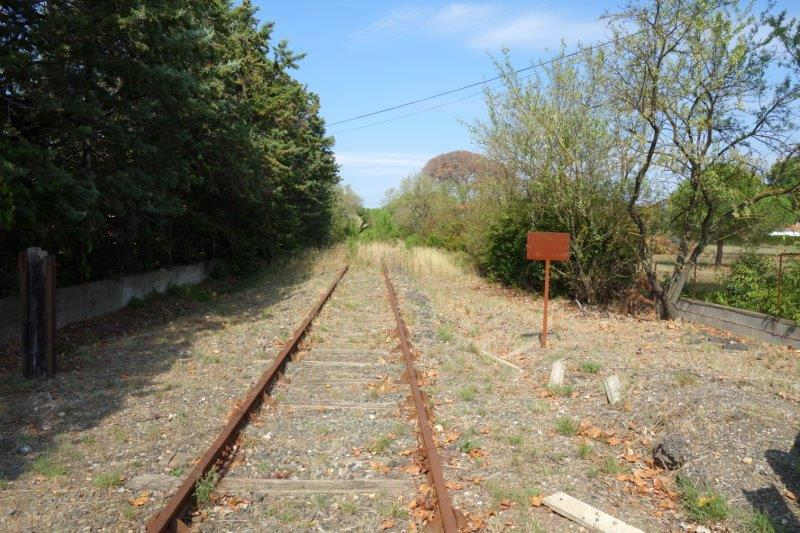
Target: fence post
{"x":50,"y":314}
{"x":37,"y":298}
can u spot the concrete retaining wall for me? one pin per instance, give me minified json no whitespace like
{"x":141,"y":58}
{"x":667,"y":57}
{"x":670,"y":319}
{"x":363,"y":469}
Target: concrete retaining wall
{"x":741,"y":322}
{"x":89,"y":300}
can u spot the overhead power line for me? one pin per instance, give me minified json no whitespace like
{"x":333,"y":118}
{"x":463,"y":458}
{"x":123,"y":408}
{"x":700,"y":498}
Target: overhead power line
{"x":484,"y":82}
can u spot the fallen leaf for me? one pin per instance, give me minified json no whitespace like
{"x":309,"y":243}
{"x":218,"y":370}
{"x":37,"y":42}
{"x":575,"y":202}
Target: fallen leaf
{"x":666,"y":504}
{"x":141,"y":499}
{"x":412,"y":469}
{"x":536,"y":501}
{"x":477,"y":452}
{"x":387,"y":524}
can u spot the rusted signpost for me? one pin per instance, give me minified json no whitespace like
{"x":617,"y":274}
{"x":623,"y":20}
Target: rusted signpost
{"x":547,"y":246}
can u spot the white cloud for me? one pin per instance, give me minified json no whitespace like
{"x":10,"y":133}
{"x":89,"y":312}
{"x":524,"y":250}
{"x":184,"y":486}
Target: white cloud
{"x":459,"y":17}
{"x":381,"y":162}
{"x":485,"y":26}
{"x":455,"y":17}
{"x":397,"y":21}
{"x":539,"y":30}
{"x":371,"y":174}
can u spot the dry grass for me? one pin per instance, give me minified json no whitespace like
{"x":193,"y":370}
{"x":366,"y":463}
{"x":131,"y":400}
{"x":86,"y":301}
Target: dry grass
{"x":418,"y":260}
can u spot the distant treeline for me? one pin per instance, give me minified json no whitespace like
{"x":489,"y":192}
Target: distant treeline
{"x":142,"y":133}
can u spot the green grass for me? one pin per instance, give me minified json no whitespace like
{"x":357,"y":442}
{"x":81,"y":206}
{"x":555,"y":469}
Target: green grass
{"x":48,"y":467}
{"x":521,"y":495}
{"x":561,"y":390}
{"x":381,"y":444}
{"x":205,"y":486}
{"x":590,"y":367}
{"x":761,"y":523}
{"x":349,"y":507}
{"x":705,"y":506}
{"x":393,"y":510}
{"x":176,"y":472}
{"x":444,"y":334}
{"x":468,"y":393}
{"x":566,"y":426}
{"x":128,"y":511}
{"x":467,"y":442}
{"x":611,"y":467}
{"x":684,"y":378}
{"x":515,"y":440}
{"x":584,"y":450}
{"x":108,"y":480}
{"x":467,"y":445}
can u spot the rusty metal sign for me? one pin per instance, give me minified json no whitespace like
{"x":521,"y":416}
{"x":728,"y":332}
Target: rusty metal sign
{"x":547,"y":246}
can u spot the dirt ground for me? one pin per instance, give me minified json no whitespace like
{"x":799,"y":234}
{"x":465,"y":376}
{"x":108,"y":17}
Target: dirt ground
{"x":510,"y":438}
{"x":148,"y":400}
{"x":142,"y":396}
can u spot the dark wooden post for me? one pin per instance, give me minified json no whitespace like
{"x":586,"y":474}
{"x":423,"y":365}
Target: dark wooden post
{"x":50,"y":314}
{"x":37,"y":299}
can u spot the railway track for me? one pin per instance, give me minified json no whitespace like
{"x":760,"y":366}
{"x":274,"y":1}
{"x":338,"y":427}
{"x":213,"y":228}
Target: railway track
{"x":327,"y":439}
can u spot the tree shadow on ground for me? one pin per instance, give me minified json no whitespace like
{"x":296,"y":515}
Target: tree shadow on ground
{"x":770,"y":500}
{"x":98,"y":377}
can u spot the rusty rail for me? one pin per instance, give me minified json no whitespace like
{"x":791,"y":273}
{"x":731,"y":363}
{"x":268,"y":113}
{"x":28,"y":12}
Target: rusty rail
{"x":446,"y":512}
{"x":169,"y":518}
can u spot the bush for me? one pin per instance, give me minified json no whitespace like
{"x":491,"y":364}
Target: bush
{"x":602,"y":261}
{"x":504,"y":259}
{"x":752,"y":284}
{"x":380,"y":225}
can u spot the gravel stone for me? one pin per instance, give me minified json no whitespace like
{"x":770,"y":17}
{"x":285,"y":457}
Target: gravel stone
{"x":672,"y":452}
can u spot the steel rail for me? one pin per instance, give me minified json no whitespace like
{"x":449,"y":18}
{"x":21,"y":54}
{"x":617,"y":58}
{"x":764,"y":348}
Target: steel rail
{"x":446,"y":512}
{"x":169,"y":518}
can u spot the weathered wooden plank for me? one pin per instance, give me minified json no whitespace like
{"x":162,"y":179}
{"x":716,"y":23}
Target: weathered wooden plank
{"x":262,"y":486}
{"x":337,"y":405}
{"x":358,"y":364}
{"x":587,"y":515}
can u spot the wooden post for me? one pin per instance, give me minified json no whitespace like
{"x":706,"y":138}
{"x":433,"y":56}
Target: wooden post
{"x":37,"y":296}
{"x":546,"y":299}
{"x":50,"y":314}
{"x":546,"y":246}
{"x":22,"y":267}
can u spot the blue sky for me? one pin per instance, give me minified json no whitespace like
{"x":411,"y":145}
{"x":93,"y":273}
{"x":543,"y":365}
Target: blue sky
{"x":363,"y":56}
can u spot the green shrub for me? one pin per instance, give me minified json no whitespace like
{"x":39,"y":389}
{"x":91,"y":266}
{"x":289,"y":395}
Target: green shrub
{"x":205,"y":486}
{"x":380,"y":225}
{"x":702,"y":505}
{"x":602,"y":258}
{"x":566,"y":426}
{"x":752,"y":284}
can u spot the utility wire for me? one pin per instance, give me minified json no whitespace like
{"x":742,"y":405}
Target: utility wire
{"x":411,"y":114}
{"x":484,"y":82}
{"x":420,"y":111}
